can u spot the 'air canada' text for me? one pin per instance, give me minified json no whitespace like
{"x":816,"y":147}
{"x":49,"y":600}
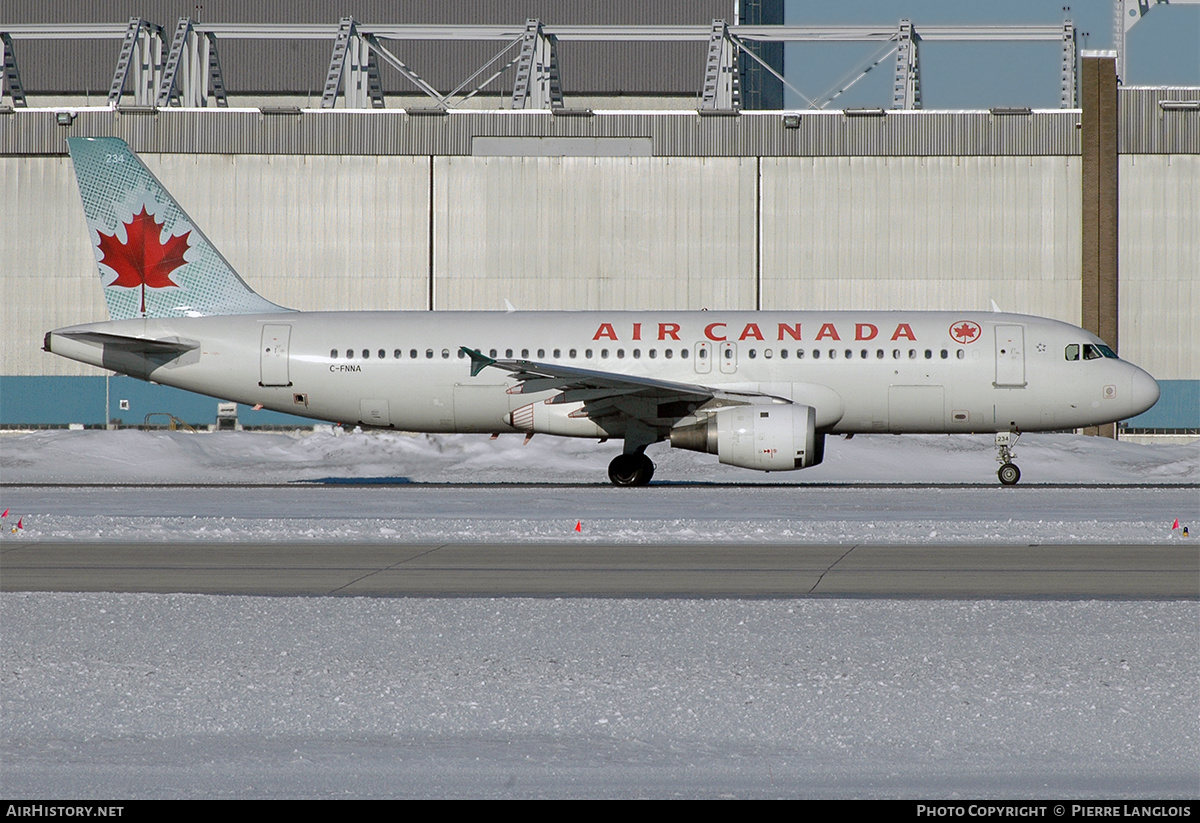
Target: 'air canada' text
{"x":721,"y":332}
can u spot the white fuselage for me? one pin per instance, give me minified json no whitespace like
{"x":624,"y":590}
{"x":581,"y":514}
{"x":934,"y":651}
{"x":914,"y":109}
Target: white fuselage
{"x":902,"y":371}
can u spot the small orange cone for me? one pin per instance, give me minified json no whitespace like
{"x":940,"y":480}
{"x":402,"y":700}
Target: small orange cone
{"x":579,"y":525}
{"x":1175,"y":525}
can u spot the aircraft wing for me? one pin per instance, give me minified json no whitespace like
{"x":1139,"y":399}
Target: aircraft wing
{"x":655,"y":402}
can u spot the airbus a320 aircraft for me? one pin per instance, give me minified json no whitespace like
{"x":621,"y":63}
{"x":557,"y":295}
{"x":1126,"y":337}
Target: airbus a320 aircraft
{"x":760,"y":390}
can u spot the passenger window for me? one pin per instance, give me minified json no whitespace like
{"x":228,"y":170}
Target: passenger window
{"x":366,"y":354}
{"x":1072,"y":352}
{"x":541,"y":354}
{"x":382,"y":354}
{"x":445,"y":354}
{"x":333,"y":354}
{"x":429,"y":354}
{"x":508,"y":352}
{"x":349,"y":354}
{"x":396,"y":354}
{"x":945,"y":354}
{"x":412,"y":353}
{"x":524,"y":352}
{"x":753,"y":353}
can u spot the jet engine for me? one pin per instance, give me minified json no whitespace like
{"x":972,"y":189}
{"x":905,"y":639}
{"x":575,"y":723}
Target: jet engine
{"x":768,"y":438}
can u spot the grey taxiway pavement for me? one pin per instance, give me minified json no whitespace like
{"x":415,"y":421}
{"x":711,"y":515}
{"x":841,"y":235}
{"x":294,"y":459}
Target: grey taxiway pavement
{"x":643,"y":570}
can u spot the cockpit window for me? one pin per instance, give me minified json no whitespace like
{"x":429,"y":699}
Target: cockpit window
{"x":1093,"y":351}
{"x":1090,"y":351}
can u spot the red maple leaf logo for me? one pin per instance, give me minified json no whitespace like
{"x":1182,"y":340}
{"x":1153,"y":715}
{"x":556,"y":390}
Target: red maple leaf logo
{"x":143,"y":260}
{"x":965,"y":332}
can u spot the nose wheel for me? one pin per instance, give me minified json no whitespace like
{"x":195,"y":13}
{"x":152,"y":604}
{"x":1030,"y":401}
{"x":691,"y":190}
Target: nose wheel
{"x":1008,"y":472}
{"x":633,"y":469}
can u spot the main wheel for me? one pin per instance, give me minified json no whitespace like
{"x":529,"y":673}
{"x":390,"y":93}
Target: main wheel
{"x":630,"y":470}
{"x":1009,"y":474}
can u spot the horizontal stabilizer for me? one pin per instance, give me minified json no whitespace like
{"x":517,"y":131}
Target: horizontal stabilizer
{"x":139,"y":345}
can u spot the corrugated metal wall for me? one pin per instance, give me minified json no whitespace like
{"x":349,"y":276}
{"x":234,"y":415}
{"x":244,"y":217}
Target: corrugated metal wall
{"x":1147,"y":128}
{"x":677,"y":134}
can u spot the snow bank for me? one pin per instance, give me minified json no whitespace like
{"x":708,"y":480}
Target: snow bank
{"x":330,"y":453}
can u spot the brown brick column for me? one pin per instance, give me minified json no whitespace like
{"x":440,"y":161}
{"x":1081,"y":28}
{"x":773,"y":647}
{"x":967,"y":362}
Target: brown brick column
{"x":1098,"y":139}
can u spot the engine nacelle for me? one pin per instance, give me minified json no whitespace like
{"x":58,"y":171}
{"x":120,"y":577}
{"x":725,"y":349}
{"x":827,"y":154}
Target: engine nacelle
{"x":771,"y":438}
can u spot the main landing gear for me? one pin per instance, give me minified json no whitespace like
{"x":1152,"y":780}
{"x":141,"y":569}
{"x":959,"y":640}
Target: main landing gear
{"x":1008,"y":472}
{"x":631,"y":469}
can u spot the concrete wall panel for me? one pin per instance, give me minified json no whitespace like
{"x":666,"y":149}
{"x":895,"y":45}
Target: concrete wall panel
{"x":922,"y":232}
{"x":594,"y":232}
{"x":1159,"y":291}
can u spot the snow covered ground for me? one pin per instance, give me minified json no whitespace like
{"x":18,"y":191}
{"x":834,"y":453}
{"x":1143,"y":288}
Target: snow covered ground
{"x":125,"y":695}
{"x":505,"y":491}
{"x":194,"y":696}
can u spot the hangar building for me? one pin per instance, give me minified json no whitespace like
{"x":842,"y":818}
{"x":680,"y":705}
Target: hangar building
{"x":573,"y":186}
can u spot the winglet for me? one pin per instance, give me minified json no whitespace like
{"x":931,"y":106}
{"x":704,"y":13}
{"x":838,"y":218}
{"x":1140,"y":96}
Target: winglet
{"x":479,"y":360}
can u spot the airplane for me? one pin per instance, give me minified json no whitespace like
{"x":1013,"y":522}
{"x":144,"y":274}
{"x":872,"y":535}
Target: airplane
{"x":759,"y":389}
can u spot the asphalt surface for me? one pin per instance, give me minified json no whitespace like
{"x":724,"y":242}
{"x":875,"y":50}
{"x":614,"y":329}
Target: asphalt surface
{"x":574,"y":570}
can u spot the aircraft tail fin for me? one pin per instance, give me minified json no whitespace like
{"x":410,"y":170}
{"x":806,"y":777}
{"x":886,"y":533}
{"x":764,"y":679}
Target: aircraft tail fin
{"x":153,"y":260}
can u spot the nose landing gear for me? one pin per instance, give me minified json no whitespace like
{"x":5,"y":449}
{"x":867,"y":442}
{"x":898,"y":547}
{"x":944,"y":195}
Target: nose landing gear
{"x":1008,"y":472}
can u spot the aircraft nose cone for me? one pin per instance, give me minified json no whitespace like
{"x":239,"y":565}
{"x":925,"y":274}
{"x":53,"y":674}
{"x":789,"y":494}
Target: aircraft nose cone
{"x":1144,"y":391}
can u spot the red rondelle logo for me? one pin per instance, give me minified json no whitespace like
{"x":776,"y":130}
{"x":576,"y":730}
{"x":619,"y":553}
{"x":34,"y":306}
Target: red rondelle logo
{"x":965,"y":331}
